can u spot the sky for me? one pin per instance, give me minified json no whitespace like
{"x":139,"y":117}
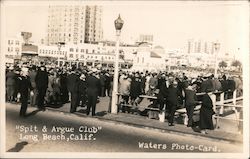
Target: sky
{"x":171,"y":23}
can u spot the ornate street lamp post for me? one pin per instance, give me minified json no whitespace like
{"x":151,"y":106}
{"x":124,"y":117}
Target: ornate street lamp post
{"x":216,"y":47}
{"x":118,"y":26}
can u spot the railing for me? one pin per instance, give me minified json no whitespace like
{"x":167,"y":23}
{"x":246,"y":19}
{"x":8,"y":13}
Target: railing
{"x":218,"y":107}
{"x":222,"y":104}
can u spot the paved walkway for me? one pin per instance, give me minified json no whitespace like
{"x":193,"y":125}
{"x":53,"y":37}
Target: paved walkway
{"x":144,"y":122}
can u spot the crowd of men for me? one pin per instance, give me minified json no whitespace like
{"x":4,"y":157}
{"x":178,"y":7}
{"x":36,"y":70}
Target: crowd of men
{"x":42,"y":85}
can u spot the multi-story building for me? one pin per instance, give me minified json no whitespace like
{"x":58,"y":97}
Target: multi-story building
{"x":93,"y":24}
{"x":14,"y":47}
{"x":146,"y":38}
{"x":199,"y":46}
{"x":74,"y":24}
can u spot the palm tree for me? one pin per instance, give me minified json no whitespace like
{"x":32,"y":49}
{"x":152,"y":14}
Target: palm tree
{"x":223,"y":64}
{"x":236,"y":63}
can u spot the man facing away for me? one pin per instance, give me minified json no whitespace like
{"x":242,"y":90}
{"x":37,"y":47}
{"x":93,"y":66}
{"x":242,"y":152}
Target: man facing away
{"x":41,"y":85}
{"x":72,"y":85}
{"x":93,"y":86}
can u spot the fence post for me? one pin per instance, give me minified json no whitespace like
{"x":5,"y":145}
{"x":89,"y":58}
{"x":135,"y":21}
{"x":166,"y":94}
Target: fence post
{"x":234,"y":97}
{"x":221,"y":102}
{"x":162,"y":114}
{"x":213,"y":98}
{"x":234,"y":100}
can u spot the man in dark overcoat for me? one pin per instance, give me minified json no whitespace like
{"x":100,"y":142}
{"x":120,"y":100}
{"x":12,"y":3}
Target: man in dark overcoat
{"x":162,"y":96}
{"x":41,"y":80}
{"x":135,"y":88}
{"x":93,"y":88}
{"x":172,"y":101}
{"x":72,"y":85}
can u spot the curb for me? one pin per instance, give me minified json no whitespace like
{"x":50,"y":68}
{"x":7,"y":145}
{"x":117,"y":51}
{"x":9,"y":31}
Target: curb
{"x":178,"y":132}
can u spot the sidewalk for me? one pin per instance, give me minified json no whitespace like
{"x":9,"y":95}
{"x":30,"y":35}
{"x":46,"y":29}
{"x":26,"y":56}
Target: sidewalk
{"x":144,"y":122}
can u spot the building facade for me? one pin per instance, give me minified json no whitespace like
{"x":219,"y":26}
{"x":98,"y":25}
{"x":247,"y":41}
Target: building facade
{"x":88,"y":54}
{"x":74,"y":24}
{"x":200,"y":46}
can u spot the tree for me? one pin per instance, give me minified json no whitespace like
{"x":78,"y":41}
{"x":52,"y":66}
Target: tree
{"x":236,"y":63}
{"x":223,"y":64}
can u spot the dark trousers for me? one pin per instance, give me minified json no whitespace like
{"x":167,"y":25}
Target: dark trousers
{"x":190,"y":112}
{"x":171,"y":108}
{"x":24,"y":103}
{"x":82,"y":98}
{"x":125,"y":99}
{"x":162,"y":101}
{"x":103,"y":91}
{"x":64,"y":95}
{"x":107,"y":90}
{"x":40,"y":97}
{"x":74,"y":101}
{"x":33,"y":99}
{"x":92,"y":99}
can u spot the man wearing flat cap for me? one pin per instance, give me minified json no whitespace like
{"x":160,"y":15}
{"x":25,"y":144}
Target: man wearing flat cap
{"x":24,"y":88}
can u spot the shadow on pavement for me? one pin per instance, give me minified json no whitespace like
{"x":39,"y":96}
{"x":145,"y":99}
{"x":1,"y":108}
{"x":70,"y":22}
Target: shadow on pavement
{"x":102,"y":113}
{"x":83,"y":111}
{"x":196,"y":129}
{"x":32,"y":113}
{"x":54,"y":105}
{"x":18,"y":147}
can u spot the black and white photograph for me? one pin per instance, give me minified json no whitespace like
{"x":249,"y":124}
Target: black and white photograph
{"x":124,"y":79}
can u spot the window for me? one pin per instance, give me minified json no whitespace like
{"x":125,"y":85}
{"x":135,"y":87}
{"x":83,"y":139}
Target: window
{"x":8,"y":49}
{"x":76,"y":50}
{"x":82,"y":56}
{"x":82,"y":50}
{"x":93,"y":51}
{"x":87,"y":51}
{"x":71,"y":55}
{"x":71,"y":50}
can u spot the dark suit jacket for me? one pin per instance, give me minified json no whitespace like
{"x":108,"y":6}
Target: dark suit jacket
{"x":93,"y":85}
{"x":163,"y":91}
{"x":172,"y":95}
{"x":72,"y":82}
{"x":206,"y":86}
{"x":231,"y":85}
{"x":41,"y":80}
{"x":25,"y":85}
{"x":135,"y":87}
{"x":224,"y":85}
{"x":190,"y":97}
